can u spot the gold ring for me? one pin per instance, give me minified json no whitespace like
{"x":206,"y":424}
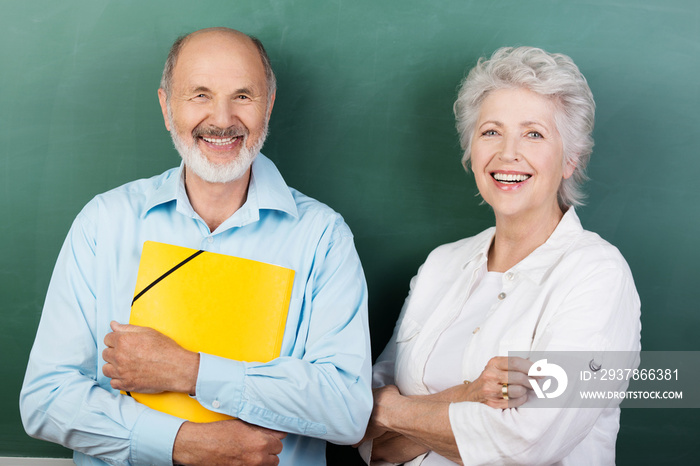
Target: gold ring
{"x":504,"y":391}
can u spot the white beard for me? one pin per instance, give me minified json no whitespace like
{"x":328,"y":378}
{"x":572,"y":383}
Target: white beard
{"x":210,"y":172}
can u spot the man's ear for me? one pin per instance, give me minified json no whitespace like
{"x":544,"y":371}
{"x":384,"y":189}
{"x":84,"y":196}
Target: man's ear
{"x":163,"y":99}
{"x":271,"y":104}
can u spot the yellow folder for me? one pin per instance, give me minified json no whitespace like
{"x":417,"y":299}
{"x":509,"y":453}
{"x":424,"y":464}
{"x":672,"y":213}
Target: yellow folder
{"x":210,"y":303}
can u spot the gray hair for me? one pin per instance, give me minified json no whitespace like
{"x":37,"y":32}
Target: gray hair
{"x":167,"y":77}
{"x":550,"y":75}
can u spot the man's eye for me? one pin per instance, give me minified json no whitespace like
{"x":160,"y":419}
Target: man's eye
{"x":242,"y":97}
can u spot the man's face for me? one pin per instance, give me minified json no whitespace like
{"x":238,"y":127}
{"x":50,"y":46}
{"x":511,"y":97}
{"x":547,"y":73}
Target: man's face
{"x":218,"y":109}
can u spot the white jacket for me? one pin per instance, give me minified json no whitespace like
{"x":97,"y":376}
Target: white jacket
{"x":573,"y":293}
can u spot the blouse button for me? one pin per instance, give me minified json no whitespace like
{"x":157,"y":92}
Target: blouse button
{"x":215,"y":404}
{"x":210,"y":240}
{"x":501,"y":296}
{"x":510,"y":275}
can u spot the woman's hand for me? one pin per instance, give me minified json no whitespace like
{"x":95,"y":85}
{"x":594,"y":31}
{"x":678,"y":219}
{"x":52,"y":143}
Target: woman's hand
{"x":421,"y":423}
{"x":375,"y":428}
{"x":387,"y":445}
{"x":489,"y":387}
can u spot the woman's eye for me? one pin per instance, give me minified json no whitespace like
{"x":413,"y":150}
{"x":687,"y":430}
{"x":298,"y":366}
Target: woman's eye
{"x":535,"y":134}
{"x":489,"y":132}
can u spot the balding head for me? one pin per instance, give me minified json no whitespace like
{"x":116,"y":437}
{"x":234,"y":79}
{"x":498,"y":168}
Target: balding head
{"x":216,"y":102}
{"x":166,"y":81}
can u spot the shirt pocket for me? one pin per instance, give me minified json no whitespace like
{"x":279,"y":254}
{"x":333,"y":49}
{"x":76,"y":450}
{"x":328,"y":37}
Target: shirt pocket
{"x":408,"y":330}
{"x":407,"y":373}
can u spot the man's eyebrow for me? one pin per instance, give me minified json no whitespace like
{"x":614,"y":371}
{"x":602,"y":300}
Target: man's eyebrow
{"x":200,"y":89}
{"x":242,"y":90}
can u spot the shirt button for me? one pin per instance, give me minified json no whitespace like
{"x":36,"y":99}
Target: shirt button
{"x":210,"y":240}
{"x":215,"y":404}
{"x":501,"y":296}
{"x":476,"y":330}
{"x":510,"y":275}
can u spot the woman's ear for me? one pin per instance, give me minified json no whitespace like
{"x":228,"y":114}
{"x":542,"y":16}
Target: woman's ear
{"x":569,"y":169}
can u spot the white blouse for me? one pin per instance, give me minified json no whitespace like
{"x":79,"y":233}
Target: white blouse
{"x":443,"y":367}
{"x":573,"y":293}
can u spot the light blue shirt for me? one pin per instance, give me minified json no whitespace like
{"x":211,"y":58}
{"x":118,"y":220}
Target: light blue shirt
{"x":318,"y":390}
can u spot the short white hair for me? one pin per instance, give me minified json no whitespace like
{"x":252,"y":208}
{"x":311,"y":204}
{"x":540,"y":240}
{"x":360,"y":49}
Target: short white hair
{"x":551,"y":75}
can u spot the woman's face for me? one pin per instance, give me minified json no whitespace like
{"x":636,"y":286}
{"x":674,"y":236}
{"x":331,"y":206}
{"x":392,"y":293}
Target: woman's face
{"x":516,"y":154}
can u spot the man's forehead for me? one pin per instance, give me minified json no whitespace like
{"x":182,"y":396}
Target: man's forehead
{"x":209,"y":58}
{"x":209,"y":37}
{"x":220,"y":45}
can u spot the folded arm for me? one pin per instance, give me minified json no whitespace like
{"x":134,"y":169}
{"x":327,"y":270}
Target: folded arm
{"x":282,"y":394}
{"x":407,"y":426}
{"x":321,"y":390}
{"x":64,"y":397}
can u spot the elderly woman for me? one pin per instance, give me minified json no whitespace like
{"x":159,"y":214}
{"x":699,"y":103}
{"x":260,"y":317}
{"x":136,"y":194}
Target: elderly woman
{"x":537,"y":281}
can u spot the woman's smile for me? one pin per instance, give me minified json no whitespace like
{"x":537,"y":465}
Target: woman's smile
{"x":517,"y":154}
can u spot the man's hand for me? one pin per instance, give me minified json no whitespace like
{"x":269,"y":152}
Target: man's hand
{"x":231,"y":443}
{"x":142,"y":360}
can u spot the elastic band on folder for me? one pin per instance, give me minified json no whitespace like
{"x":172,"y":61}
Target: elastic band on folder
{"x":159,"y":279}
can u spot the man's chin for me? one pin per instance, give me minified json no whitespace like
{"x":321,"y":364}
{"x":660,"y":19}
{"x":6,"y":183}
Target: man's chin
{"x":233,"y":167}
{"x":224,"y":172}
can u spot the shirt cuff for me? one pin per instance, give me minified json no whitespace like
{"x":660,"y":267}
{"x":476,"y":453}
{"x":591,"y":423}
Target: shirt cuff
{"x":153,"y":438}
{"x":365,"y":450}
{"x":220,"y":384}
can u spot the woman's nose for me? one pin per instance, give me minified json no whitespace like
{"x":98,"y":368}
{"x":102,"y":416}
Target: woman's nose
{"x":509,"y":151}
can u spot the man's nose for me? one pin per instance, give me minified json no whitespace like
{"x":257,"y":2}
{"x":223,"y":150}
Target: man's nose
{"x":222,"y":114}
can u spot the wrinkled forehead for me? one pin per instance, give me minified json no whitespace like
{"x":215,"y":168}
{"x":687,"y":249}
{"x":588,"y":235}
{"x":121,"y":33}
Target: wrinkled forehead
{"x":219,"y":58}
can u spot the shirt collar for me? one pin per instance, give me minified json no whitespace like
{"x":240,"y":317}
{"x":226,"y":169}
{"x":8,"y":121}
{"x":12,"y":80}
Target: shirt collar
{"x":267,"y":191}
{"x":269,"y":188}
{"x":481,"y":249}
{"x":164,"y":191}
{"x":542,"y":259}
{"x":538,"y":263}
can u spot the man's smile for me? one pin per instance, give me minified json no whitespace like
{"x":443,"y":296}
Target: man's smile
{"x":220,"y":141}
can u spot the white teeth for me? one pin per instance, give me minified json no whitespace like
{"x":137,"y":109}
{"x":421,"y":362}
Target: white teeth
{"x":510,"y":178}
{"x":219,"y":142}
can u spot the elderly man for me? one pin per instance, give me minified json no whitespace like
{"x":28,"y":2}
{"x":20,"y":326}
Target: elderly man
{"x":216,"y":95}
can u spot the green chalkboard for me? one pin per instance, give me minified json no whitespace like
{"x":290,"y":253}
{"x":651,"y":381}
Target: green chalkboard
{"x":362,"y":122}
